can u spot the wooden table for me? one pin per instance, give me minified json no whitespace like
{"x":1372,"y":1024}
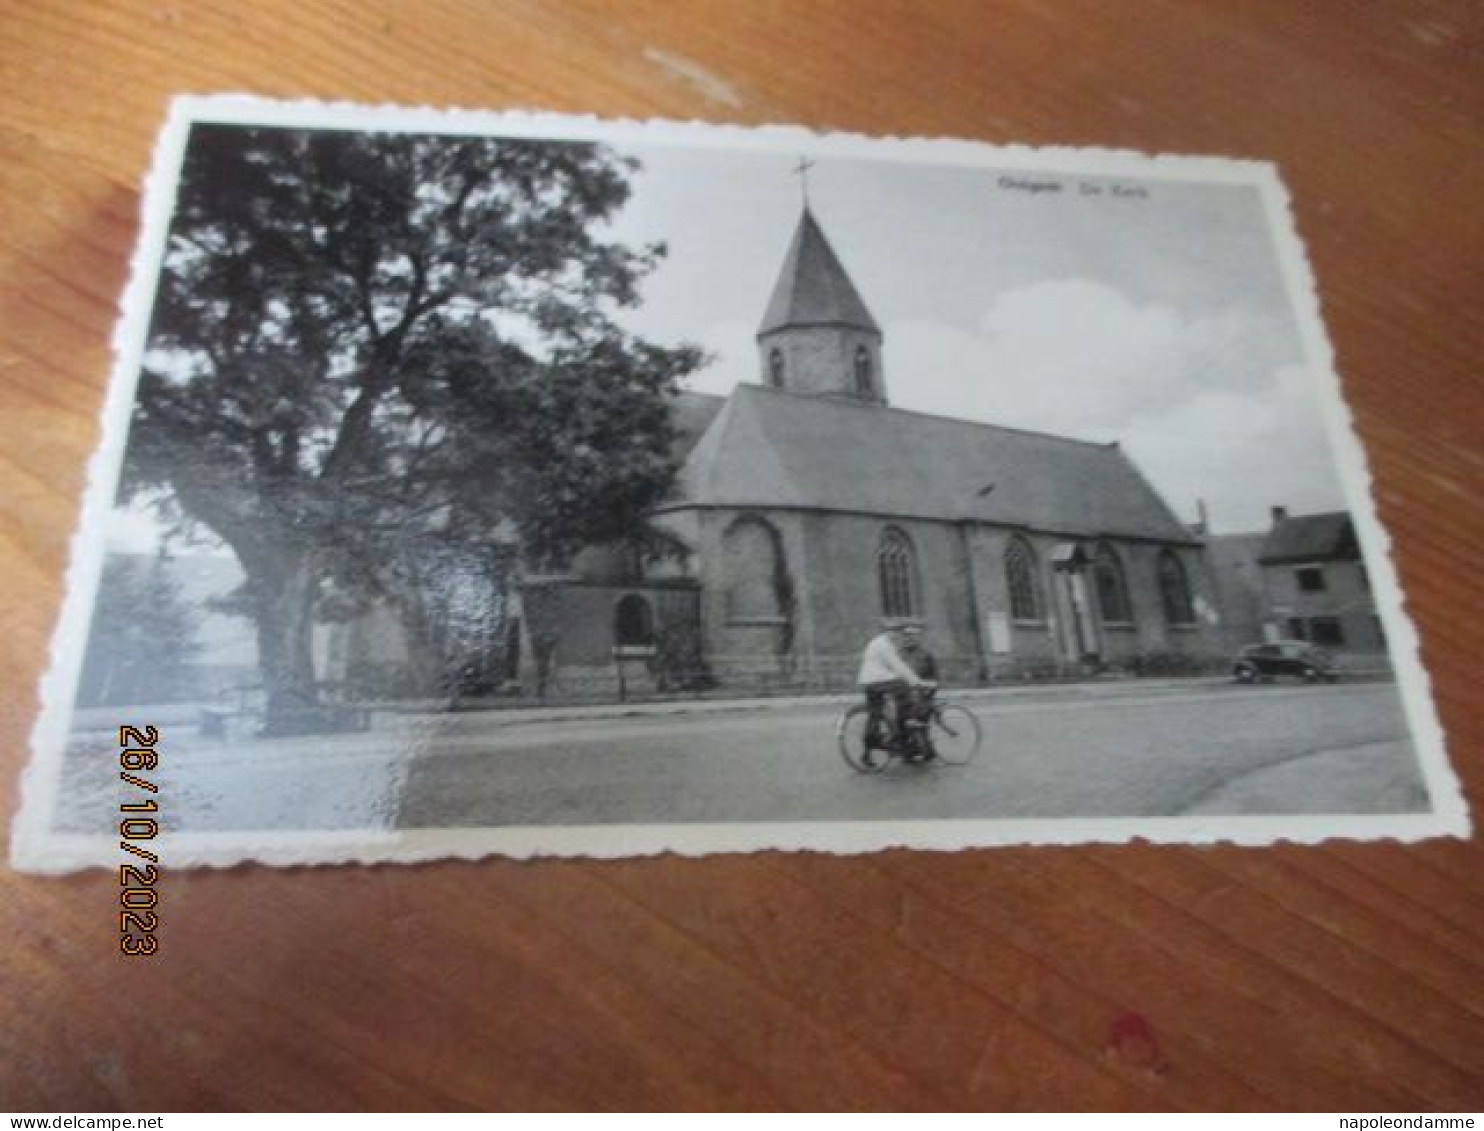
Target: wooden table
{"x":1345,"y":976}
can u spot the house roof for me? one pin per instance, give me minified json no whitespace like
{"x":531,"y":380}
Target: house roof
{"x":769,"y":448}
{"x":1311,"y":537}
{"x":813,"y":288}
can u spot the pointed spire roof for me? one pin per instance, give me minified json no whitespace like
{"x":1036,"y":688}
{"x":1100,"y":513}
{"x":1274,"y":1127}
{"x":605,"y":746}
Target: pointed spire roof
{"x":813,"y":288}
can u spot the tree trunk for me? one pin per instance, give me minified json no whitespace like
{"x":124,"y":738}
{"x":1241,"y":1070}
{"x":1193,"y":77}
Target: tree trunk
{"x":285,"y":586}
{"x":427,"y":667}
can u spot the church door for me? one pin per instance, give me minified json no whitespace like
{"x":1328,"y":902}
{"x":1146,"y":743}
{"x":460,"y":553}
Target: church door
{"x":1079,"y":638}
{"x":1082,"y":640}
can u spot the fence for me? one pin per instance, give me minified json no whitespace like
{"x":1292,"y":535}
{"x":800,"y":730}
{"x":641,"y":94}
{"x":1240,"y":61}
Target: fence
{"x":240,"y":711}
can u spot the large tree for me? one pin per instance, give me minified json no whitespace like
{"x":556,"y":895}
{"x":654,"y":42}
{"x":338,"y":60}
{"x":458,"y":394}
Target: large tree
{"x":367,"y":345}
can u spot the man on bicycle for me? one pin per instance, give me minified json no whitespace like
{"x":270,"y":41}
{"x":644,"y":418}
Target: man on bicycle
{"x":916,"y":654}
{"x":885,"y":676}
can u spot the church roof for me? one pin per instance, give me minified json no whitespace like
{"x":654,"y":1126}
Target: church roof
{"x":769,"y":448}
{"x":813,"y":288}
{"x":691,"y":414}
{"x":1311,"y":537}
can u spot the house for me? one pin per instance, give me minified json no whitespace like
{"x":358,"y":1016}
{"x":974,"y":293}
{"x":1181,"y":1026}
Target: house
{"x":1315,"y":582}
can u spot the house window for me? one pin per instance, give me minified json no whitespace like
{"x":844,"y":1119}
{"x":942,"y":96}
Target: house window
{"x":1326,"y":631}
{"x":863,"y":385}
{"x":633,"y":623}
{"x":1310,"y":578}
{"x":896,"y":570}
{"x":1112,"y":587}
{"x":775,"y":367}
{"x":1022,"y":582}
{"x":1174,"y":590}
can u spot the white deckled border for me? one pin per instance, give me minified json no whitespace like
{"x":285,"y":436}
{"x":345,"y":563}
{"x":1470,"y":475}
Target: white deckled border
{"x":35,"y":848}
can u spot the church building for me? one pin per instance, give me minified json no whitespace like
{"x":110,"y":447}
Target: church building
{"x":811,"y":510}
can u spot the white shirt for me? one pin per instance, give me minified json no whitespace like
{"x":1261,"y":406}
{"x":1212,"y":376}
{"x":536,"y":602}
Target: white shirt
{"x":882,"y":662}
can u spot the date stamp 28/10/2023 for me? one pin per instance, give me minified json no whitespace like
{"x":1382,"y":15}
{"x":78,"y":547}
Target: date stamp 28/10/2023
{"x":138,"y":825}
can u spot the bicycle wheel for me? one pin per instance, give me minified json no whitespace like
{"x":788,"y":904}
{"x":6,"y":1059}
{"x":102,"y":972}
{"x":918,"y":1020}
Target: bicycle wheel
{"x":851,"y":732}
{"x":955,"y":734}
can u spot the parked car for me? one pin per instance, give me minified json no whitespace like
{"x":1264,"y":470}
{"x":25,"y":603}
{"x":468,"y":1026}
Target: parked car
{"x":1284,"y":657}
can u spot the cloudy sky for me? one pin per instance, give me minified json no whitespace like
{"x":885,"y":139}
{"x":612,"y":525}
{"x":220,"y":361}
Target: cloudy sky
{"x":1155,"y":315}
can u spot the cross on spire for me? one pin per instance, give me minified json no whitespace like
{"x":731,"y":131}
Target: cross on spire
{"x":801,"y":170}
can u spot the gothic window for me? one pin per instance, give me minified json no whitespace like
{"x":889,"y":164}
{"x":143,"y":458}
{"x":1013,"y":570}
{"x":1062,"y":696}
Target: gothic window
{"x":775,"y":367}
{"x":751,"y":565}
{"x":1022,"y":581}
{"x":896,"y":568}
{"x":633,"y":623}
{"x":863,"y":371}
{"x":1112,"y":587}
{"x":1174,"y":590}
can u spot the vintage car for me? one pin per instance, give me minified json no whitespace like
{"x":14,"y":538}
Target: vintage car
{"x":1284,"y":657}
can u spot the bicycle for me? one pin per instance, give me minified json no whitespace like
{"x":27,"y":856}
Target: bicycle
{"x":938,"y":731}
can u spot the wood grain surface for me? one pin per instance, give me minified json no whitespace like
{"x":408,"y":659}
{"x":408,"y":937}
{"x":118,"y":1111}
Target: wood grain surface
{"x":1343,"y":976}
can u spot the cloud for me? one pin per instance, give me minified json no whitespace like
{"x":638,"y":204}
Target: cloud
{"x":1241,"y":452}
{"x":1074,"y":356}
{"x":1209,"y":406}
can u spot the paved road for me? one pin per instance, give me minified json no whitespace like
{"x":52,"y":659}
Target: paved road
{"x":1121,"y":751}
{"x":1127,"y":755}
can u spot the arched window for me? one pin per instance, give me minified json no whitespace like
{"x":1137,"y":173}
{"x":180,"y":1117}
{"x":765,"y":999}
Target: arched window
{"x":775,"y":367}
{"x":863,"y":372}
{"x":1022,"y":580}
{"x":751,"y":571}
{"x":1174,"y":589}
{"x":896,"y":567}
{"x":1112,"y":587}
{"x":633,"y":623}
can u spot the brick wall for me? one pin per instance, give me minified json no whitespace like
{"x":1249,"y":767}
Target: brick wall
{"x":960,"y":584}
{"x":821,"y":359}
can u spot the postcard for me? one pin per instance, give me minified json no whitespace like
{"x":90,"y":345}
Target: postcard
{"x":507,"y":483}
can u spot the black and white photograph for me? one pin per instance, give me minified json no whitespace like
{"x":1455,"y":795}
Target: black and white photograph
{"x":496,"y":483}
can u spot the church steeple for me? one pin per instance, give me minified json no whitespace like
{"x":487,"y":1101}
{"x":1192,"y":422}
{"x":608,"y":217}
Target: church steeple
{"x":817,"y":335}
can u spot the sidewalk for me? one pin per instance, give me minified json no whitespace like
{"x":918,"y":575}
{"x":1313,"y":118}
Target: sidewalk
{"x":499,"y":714}
{"x":393,"y":716}
{"x":1081,"y":691}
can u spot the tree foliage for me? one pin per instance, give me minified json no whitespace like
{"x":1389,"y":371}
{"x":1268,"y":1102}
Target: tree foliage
{"x":363,"y":341}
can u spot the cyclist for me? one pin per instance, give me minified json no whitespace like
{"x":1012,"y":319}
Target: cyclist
{"x":885,"y":676}
{"x":925,"y":664}
{"x":916,"y":654}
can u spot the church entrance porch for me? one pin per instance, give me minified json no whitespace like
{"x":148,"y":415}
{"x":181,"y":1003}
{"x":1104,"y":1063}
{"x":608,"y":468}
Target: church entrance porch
{"x":1079,"y":639}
